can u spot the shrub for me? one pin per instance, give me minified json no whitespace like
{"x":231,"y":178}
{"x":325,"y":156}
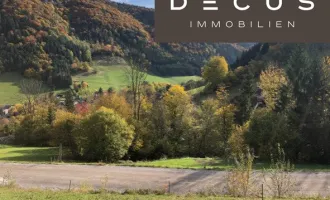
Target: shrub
{"x":104,"y":136}
{"x":239,"y":179}
{"x":279,"y":179}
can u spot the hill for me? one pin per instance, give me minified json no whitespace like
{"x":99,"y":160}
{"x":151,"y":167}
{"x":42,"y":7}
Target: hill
{"x":53,"y":40}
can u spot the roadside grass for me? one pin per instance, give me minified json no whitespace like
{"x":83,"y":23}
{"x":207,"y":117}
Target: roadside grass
{"x":114,"y":76}
{"x":184,"y":163}
{"x":214,"y":164}
{"x":19,"y":194}
{"x":9,"y":88}
{"x":19,"y":154}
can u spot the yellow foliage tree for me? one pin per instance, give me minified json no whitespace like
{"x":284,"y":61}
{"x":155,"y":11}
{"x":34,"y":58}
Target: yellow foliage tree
{"x":215,"y":70}
{"x":63,"y":127}
{"x":176,"y":99}
{"x":271,"y":81}
{"x":236,"y":140}
{"x":117,"y":103}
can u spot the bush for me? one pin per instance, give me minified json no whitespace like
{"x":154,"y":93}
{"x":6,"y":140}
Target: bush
{"x":103,"y":136}
{"x":279,"y":179}
{"x":239,"y":180}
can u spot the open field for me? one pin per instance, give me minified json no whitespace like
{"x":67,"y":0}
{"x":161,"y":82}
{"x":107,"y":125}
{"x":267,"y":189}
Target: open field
{"x":107,"y":76}
{"x":19,"y":194}
{"x":9,"y":88}
{"x":114,"y":76}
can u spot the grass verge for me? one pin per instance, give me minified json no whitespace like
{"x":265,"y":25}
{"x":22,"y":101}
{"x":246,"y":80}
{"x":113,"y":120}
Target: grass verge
{"x":47,"y":154}
{"x":19,"y":194}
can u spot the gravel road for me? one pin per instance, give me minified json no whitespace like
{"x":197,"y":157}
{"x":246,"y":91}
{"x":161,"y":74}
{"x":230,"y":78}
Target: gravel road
{"x":181,"y":181}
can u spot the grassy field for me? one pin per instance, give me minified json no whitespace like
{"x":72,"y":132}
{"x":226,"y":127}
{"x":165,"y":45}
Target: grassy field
{"x":27,"y":154}
{"x":9,"y":88}
{"x":106,"y":76}
{"x":46,"y":155}
{"x":114,"y":76}
{"x":19,"y":194}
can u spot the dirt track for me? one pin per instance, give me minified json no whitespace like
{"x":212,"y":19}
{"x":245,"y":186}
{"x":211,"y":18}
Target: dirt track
{"x":124,"y":178}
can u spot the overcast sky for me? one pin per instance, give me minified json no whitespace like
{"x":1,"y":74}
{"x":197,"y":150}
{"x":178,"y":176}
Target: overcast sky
{"x":145,"y":3}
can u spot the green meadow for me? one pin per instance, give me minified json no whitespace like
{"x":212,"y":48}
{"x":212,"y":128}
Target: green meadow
{"x":106,"y":76}
{"x":9,"y":88}
{"x":114,"y":76}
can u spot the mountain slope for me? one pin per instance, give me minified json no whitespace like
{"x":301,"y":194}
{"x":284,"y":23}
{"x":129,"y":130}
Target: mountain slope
{"x":54,"y":39}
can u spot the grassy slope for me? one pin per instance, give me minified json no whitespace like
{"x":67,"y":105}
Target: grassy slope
{"x":114,"y":76}
{"x":9,"y":88}
{"x":107,"y":76}
{"x":19,"y":194}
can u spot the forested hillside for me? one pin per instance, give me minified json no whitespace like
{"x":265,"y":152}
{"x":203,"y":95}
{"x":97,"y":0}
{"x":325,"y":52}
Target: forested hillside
{"x":51,"y":40}
{"x":284,"y":98}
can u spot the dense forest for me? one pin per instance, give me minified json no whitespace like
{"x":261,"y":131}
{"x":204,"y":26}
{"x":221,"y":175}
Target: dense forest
{"x":51,"y":40}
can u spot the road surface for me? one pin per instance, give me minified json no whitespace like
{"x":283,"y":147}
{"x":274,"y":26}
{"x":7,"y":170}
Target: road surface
{"x":120,"y":178}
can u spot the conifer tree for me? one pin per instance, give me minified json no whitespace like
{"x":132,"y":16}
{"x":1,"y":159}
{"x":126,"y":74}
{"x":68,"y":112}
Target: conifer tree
{"x":69,"y":104}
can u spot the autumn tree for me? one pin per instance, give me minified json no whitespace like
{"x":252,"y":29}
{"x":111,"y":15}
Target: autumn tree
{"x":63,"y":130}
{"x":34,"y":128}
{"x":215,"y":70}
{"x":177,"y":110}
{"x":116,"y":102}
{"x":271,"y":82}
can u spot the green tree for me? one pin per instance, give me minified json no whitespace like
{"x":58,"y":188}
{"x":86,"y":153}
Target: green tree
{"x":69,"y":103}
{"x":111,"y":90}
{"x":103,"y":136}
{"x":266,"y":130}
{"x":101,"y":91}
{"x":51,"y":115}
{"x":309,"y":75}
{"x":245,"y":100}
{"x":215,"y":71}
{"x":2,"y":68}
